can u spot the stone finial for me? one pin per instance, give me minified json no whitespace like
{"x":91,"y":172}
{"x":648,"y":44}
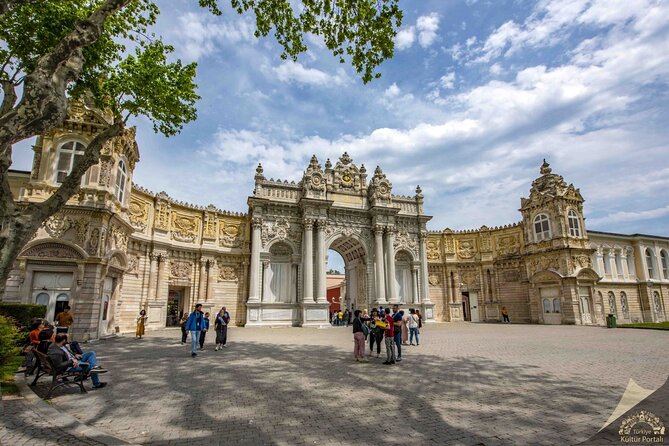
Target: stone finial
{"x":378,"y":171}
{"x":345,"y":159}
{"x":363,"y":169}
{"x":545,"y":168}
{"x":313,"y":163}
{"x":259,"y":173}
{"x":328,"y":164}
{"x":419,"y":192}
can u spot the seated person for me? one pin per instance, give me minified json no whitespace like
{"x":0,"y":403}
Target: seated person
{"x":45,"y":337}
{"x":73,"y":349}
{"x":35,"y":329}
{"x":63,"y":360}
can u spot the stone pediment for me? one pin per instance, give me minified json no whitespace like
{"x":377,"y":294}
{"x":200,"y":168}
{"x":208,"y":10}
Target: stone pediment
{"x":52,"y":250}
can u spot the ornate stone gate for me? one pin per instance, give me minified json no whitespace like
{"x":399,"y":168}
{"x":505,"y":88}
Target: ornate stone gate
{"x":381,"y":237}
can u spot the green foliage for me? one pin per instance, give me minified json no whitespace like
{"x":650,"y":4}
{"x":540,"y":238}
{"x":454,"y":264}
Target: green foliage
{"x":649,"y":325}
{"x":23,"y":314}
{"x":9,"y":336}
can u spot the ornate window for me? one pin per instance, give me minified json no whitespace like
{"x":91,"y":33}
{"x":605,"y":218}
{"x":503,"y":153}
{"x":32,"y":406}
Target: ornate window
{"x":623,"y":305}
{"x":650,"y":263}
{"x":574,"y":224}
{"x":121,"y":179}
{"x":585,"y":305}
{"x":612,"y":303}
{"x":551,"y":305}
{"x":542,"y":229}
{"x":67,"y":155}
{"x":556,"y":305}
{"x":665,"y":264}
{"x":547,"y":306}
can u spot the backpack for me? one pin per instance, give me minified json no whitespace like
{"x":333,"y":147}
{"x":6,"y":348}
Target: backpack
{"x":365,"y":328}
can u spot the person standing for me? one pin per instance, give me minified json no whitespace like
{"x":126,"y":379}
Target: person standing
{"x":182,"y":323}
{"x":505,"y":315}
{"x":358,"y":338}
{"x":64,"y":320}
{"x":376,"y":333}
{"x":389,"y":338}
{"x":221,"y":326}
{"x":397,"y":322}
{"x":413,"y":326}
{"x":195,"y":324}
{"x":405,"y":328}
{"x":205,"y":328}
{"x":141,"y":324}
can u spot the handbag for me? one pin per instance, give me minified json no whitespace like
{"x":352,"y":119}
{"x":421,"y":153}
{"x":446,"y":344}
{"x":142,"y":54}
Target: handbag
{"x":365,"y":328}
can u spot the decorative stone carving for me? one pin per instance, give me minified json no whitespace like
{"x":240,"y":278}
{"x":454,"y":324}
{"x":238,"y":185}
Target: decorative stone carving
{"x":279,"y":229}
{"x":185,"y":227}
{"x":313,"y":181}
{"x":512,"y":275}
{"x":57,"y":225}
{"x":133,"y":265}
{"x":380,"y":188}
{"x":81,"y":227}
{"x":119,"y":238}
{"x":543,"y":263}
{"x":228,"y":273}
{"x":469,"y":278}
{"x":93,"y":242}
{"x":138,"y":211}
{"x":52,"y":250}
{"x":230,"y":234}
{"x":434,"y":279}
{"x":466,"y":248}
{"x":507,"y":245}
{"x":163,"y":209}
{"x":433,"y":250}
{"x":405,"y":241}
{"x":581,"y":261}
{"x":180,"y":269}
{"x":106,"y":167}
{"x":209,"y":229}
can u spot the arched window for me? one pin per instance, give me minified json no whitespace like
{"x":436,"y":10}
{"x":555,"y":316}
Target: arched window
{"x":623,"y":305}
{"x":556,"y":305}
{"x":612,"y":303}
{"x":121,"y":178}
{"x":650,"y":263}
{"x":67,"y":155}
{"x":574,"y":224}
{"x":542,"y":229}
{"x":665,"y":264}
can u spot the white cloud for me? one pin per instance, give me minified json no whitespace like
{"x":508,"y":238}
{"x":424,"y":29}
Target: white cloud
{"x":296,"y":72}
{"x":200,"y":34}
{"x":623,"y":216}
{"x":427,"y":27}
{"x":392,"y":91}
{"x":447,"y":81}
{"x":425,"y":31}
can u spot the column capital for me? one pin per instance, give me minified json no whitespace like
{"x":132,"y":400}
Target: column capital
{"x":256,"y":222}
{"x":164,"y":257}
{"x":378,"y":229}
{"x":321,"y":224}
{"x":154,"y":256}
{"x":308,"y":223}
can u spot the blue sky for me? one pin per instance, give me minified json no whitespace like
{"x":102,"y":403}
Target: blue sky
{"x":478,"y":93}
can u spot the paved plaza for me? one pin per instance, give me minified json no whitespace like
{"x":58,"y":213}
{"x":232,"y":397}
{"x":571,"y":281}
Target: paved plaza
{"x":470,"y":384}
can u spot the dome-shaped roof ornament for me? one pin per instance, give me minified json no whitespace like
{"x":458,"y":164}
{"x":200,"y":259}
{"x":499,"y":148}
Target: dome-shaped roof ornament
{"x":259,"y":173}
{"x":345,"y":159}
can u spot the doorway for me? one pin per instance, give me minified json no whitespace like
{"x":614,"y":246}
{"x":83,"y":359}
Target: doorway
{"x":52,"y":289}
{"x":175,"y":306}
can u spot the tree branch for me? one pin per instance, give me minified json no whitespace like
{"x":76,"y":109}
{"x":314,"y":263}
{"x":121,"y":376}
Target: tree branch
{"x":44,"y":101}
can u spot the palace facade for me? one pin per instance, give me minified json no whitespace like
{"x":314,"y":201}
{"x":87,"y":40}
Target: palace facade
{"x":117,"y":248}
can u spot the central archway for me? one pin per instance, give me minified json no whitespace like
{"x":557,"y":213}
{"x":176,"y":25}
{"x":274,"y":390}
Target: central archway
{"x":381,"y":237}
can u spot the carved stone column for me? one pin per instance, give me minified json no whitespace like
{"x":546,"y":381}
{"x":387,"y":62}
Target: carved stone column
{"x":414,"y":282}
{"x":307,"y":262}
{"x":380,"y":270}
{"x":321,"y":288}
{"x":162,"y":282}
{"x":153,"y":263}
{"x":254,"y":275}
{"x":202,"y":289}
{"x":212,"y":272}
{"x":425,"y":287}
{"x":390,"y":257}
{"x":264,"y":290}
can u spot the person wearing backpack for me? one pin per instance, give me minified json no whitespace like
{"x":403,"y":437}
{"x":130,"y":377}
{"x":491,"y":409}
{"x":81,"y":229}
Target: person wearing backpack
{"x":359,"y":336}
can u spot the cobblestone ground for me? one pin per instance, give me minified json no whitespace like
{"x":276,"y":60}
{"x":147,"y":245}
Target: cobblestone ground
{"x":465,"y":384}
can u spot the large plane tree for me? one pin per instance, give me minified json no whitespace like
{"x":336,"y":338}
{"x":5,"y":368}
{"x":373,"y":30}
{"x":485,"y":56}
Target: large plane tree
{"x":56,"y":51}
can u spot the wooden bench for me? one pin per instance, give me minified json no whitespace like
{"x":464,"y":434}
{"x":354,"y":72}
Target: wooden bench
{"x":59,"y":379}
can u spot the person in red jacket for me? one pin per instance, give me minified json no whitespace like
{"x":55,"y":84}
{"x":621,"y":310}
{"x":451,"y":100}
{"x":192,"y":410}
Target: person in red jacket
{"x":389,"y":339}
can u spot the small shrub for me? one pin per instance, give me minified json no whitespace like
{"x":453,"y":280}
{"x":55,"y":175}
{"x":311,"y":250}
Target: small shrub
{"x":23,"y":314}
{"x":9,"y":336}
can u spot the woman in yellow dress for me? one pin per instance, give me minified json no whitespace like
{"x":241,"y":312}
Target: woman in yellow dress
{"x":141,"y":323}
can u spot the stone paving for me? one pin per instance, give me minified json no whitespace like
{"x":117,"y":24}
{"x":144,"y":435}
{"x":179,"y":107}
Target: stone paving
{"x":473,"y":384}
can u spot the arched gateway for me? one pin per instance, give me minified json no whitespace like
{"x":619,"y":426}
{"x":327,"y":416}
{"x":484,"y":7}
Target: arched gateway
{"x":381,"y":237}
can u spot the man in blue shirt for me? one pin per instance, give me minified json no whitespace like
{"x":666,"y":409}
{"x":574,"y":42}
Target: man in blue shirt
{"x":397,"y":322}
{"x":195,"y":324}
